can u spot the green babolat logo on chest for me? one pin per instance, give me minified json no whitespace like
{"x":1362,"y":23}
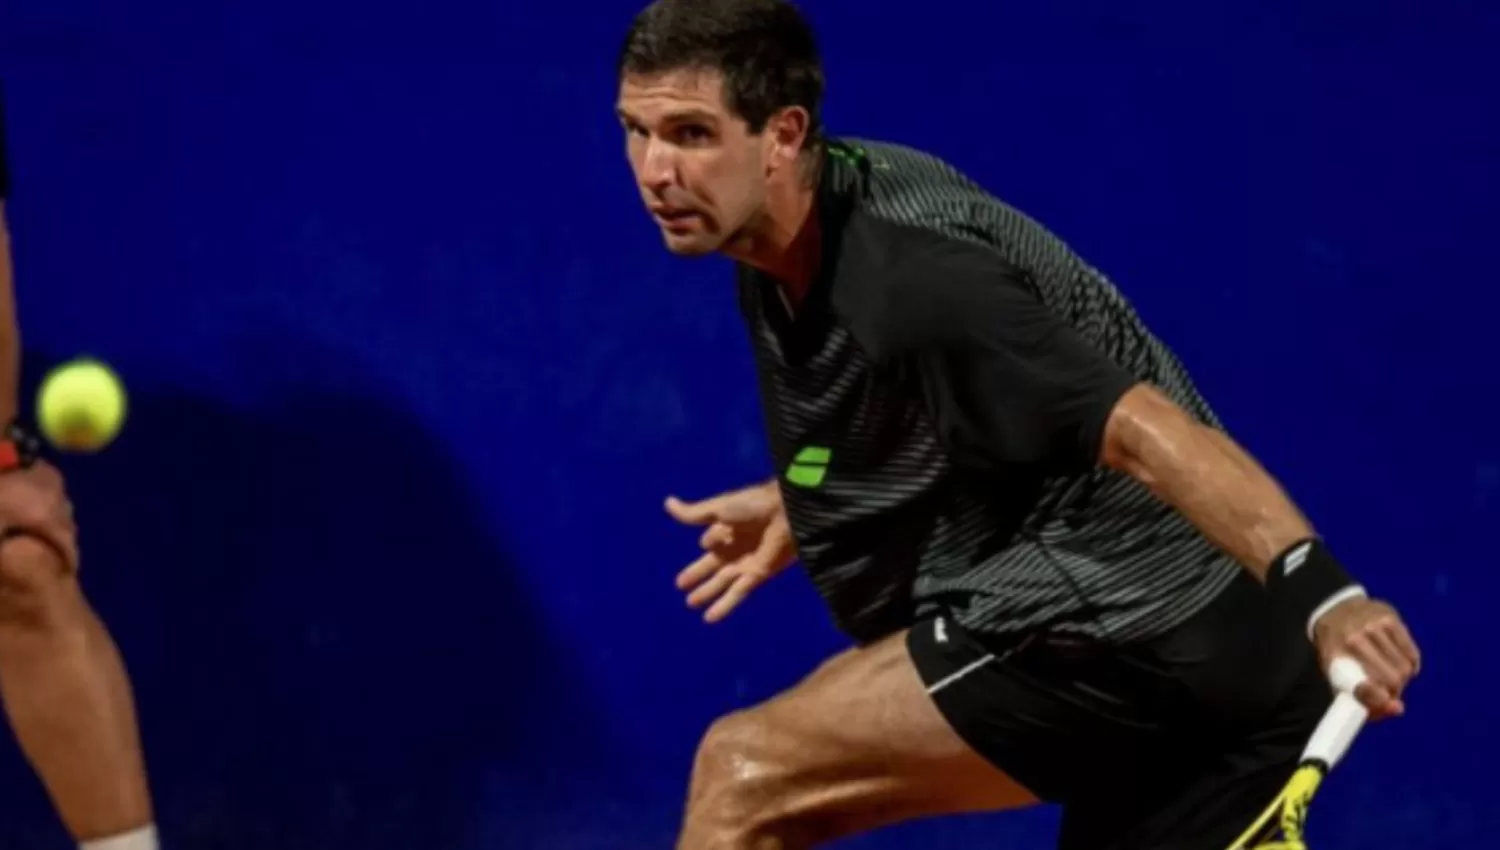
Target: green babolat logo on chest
{"x":809,"y":467}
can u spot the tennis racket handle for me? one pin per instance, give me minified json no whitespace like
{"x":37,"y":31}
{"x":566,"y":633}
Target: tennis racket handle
{"x":1346,"y":674}
{"x":1343,"y":720}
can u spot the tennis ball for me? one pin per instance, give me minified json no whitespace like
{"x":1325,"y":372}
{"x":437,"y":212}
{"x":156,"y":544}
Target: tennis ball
{"x":81,"y":406}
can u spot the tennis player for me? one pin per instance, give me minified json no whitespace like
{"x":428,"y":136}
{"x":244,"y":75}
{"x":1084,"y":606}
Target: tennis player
{"x":1063,"y":580}
{"x":61,"y":678}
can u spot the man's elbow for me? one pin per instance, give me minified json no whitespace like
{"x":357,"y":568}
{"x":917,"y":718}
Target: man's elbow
{"x":1144,"y":433}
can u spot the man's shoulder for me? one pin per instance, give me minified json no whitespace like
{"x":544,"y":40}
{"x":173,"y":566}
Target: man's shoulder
{"x":900,"y":175}
{"x":884,"y":155}
{"x":912,"y":187}
{"x":901,"y":287}
{"x":910,"y":211}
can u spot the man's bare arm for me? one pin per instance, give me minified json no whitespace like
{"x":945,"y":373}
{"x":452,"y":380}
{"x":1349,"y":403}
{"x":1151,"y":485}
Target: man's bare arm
{"x":10,"y":336}
{"x":63,"y":686}
{"x":1202,"y":473}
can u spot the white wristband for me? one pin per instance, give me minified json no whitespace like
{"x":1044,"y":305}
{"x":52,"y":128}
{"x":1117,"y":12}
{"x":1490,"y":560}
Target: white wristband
{"x":1351,"y":592}
{"x":137,"y":839}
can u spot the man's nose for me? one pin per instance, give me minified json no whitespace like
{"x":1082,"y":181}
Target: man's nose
{"x":659,"y":166}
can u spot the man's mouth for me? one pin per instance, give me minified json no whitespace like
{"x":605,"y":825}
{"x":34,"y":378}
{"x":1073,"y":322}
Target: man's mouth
{"x":673,"y":216}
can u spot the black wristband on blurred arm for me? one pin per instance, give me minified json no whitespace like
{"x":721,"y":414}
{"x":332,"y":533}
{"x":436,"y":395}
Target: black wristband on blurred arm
{"x":19,"y":448}
{"x":1311,"y":580}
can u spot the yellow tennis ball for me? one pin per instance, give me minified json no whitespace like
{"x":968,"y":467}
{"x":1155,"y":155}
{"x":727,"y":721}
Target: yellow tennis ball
{"x":81,"y":406}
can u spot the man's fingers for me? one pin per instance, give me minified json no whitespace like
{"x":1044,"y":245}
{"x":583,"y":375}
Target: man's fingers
{"x":1376,"y":698}
{"x":732,"y":597}
{"x":1389,"y":645}
{"x":1406,"y":646}
{"x":32,"y":497}
{"x":1381,"y":705}
{"x":1383,"y":662}
{"x":693,"y":574}
{"x":741,"y":507}
{"x":718,"y":534}
{"x":692,"y":513}
{"x":711,"y":589}
{"x":34,"y":502}
{"x":1384,"y":683}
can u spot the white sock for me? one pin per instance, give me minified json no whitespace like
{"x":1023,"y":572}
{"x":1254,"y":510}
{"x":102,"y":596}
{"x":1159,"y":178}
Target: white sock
{"x":136,"y":839}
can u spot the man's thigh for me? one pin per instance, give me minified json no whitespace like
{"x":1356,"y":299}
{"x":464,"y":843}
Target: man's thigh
{"x":856,"y":745}
{"x":1044,"y":718}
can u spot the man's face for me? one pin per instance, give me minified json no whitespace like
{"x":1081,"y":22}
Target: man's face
{"x":701,"y":172}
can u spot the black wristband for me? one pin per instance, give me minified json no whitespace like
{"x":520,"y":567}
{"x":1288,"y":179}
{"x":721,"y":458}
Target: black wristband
{"x":19,"y":448}
{"x":4,"y":164}
{"x":1308,"y":578}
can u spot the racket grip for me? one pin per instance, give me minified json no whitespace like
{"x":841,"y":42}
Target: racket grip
{"x":1343,"y":720}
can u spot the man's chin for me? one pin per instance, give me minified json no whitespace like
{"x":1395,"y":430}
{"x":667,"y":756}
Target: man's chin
{"x":690,"y":245}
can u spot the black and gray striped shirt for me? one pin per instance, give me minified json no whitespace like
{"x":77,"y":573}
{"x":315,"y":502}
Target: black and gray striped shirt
{"x":935,"y":408}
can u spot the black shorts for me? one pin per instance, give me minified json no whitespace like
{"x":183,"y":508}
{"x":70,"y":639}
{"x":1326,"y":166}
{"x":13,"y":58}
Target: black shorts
{"x":1173,"y":743}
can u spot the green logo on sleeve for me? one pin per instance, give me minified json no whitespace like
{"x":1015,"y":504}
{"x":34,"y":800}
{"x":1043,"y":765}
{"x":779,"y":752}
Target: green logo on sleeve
{"x":809,"y":467}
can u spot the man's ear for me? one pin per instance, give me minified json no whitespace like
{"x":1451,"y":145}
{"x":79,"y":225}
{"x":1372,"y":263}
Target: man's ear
{"x":787,"y":132}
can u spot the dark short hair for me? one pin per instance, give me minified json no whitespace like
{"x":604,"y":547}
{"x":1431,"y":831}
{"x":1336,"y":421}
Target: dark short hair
{"x":763,"y":48}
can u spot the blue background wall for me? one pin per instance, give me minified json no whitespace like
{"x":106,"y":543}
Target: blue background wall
{"x":411,"y":375}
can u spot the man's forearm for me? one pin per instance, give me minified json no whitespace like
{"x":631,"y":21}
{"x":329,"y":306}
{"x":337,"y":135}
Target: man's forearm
{"x":1202,"y":473}
{"x":10,"y":337}
{"x":10,"y":340}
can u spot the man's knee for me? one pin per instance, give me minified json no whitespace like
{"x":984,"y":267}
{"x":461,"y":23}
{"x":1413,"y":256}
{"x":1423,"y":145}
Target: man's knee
{"x":739,"y":777}
{"x":734,"y":755}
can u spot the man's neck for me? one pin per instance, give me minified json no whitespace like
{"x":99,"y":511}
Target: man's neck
{"x":785,"y":243}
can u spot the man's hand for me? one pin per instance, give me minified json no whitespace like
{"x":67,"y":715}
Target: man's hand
{"x":33,"y":503}
{"x":1371,"y":632}
{"x":746,"y":540}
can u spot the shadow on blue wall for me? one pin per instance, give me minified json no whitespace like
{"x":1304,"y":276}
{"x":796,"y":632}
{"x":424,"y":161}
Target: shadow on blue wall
{"x":339,"y":653}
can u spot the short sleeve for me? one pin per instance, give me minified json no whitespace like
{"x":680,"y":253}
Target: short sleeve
{"x":1009,"y":380}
